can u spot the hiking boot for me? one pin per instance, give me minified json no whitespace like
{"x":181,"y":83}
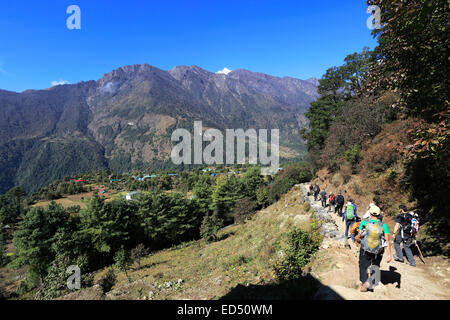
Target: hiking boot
{"x":364,"y":287}
{"x":397,"y":259}
{"x":411,"y":264}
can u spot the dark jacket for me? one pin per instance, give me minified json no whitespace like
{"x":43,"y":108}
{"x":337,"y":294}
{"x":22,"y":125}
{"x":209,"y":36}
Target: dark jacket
{"x":404,"y":219}
{"x":340,"y":200}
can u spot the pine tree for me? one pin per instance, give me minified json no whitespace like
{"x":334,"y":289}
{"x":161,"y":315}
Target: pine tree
{"x":35,"y":237}
{"x":123,"y":261}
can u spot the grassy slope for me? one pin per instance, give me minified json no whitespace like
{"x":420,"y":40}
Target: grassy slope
{"x":243,"y":256}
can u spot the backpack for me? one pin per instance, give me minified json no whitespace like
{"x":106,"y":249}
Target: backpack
{"x":350,"y":212}
{"x":354,"y":230}
{"x":372,"y":240}
{"x":332,"y":198}
{"x":414,"y":226}
{"x":407,"y":228}
{"x":340,"y":200}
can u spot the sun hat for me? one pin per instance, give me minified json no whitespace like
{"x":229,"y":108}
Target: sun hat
{"x":375,"y":211}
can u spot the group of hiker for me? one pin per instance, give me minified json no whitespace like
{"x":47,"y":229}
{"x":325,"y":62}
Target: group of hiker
{"x":370,"y":233}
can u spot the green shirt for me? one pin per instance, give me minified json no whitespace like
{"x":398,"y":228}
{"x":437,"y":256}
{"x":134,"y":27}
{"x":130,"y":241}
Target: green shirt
{"x":364,"y":223}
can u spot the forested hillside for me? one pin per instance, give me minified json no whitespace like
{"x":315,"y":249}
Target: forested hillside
{"x":124,"y":120}
{"x":382,"y":121}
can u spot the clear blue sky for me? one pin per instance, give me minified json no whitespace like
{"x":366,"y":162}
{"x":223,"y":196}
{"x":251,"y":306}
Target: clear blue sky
{"x":297,"y":38}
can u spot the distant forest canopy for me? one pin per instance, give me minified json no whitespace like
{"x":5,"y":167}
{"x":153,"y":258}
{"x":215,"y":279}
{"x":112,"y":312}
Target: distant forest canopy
{"x":402,"y":84}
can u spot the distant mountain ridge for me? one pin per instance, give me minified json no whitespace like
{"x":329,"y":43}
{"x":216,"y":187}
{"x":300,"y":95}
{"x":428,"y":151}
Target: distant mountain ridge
{"x":124,"y":120}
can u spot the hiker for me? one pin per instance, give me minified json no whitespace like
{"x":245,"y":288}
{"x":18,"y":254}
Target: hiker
{"x":405,"y":236}
{"x":367,"y":214}
{"x":331,"y":201}
{"x":349,"y":216}
{"x":374,"y":238}
{"x":311,"y":190}
{"x":316,"y":192}
{"x":323,"y":198}
{"x":339,"y":204}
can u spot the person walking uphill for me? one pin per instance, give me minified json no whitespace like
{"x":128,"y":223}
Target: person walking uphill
{"x":331,"y":202}
{"x":374,"y":238}
{"x":349,"y":216}
{"x":311,"y":190}
{"x":403,"y":224}
{"x":339,"y":204}
{"x":323,"y":198}
{"x":316,"y":192}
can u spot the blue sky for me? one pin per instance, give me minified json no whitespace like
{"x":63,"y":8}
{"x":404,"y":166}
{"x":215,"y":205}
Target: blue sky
{"x":296,"y":38}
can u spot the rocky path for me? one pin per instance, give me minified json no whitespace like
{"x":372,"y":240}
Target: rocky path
{"x":336,"y":267}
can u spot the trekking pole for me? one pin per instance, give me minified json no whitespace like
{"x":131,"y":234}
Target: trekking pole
{"x":420,"y":252}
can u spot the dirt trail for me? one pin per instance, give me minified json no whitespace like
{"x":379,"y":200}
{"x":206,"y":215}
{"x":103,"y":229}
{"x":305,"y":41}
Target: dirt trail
{"x":337,"y":268}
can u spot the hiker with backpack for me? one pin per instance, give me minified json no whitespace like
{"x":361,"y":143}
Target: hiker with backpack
{"x":367,"y":214}
{"x":374,"y":236}
{"x":339,"y":204}
{"x":349,"y":216}
{"x":331,"y":201}
{"x":404,"y":232}
{"x":316,"y":192}
{"x":323,"y":198}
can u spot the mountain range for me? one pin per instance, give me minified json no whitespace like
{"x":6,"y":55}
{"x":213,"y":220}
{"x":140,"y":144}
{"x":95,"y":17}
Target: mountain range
{"x":124,"y":120}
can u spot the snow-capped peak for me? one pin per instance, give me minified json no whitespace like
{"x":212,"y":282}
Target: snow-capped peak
{"x":224,"y":71}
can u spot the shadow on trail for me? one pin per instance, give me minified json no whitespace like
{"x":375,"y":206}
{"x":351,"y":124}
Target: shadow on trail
{"x":390,"y":276}
{"x":304,"y":288}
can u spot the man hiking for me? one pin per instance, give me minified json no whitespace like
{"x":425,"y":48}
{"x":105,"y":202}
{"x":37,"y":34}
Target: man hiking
{"x":403,"y":234}
{"x":323,"y":198}
{"x":374,"y":237}
{"x":316,"y":192}
{"x":339,"y":204}
{"x":331,"y":201}
{"x":349,"y":216}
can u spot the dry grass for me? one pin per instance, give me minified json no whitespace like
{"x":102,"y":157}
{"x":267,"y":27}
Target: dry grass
{"x":244,"y":255}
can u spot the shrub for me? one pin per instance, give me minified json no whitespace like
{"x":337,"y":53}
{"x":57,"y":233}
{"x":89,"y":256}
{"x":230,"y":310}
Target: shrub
{"x":123,"y":261}
{"x":139,"y":252}
{"x":392,"y":175}
{"x":358,"y":189}
{"x":108,"y":281}
{"x":353,"y":154}
{"x":297,"y":254}
{"x":243,"y":210}
{"x":380,"y":156}
{"x":262,"y":197}
{"x":279,"y":187}
{"x":211,"y":224}
{"x":346,"y":171}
